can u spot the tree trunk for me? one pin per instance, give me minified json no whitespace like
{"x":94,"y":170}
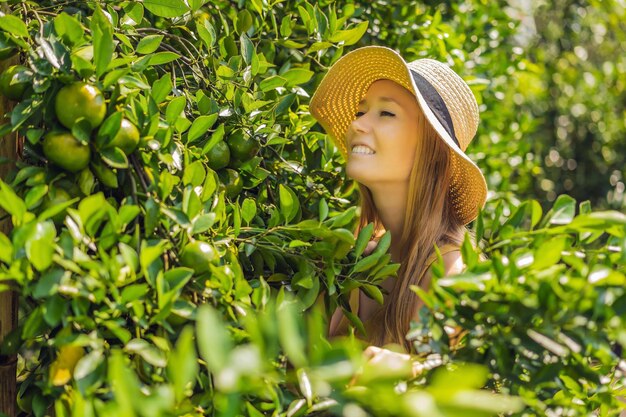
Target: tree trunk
{"x":8,"y":299}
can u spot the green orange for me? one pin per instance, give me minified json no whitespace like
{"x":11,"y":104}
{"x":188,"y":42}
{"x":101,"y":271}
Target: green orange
{"x":64,"y":150}
{"x":80,"y":100}
{"x":219,"y":156}
{"x":242,"y":147}
{"x":126,"y":138}
{"x":231,"y":181}
{"x":13,"y":82}
{"x":198,"y":256}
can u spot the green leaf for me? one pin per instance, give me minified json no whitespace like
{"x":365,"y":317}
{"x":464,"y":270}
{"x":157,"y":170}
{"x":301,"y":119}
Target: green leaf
{"x":174,"y":109}
{"x":383,"y":244}
{"x":470,"y":257}
{"x":200,"y":126}
{"x":248,"y":210}
{"x":562,"y":211}
{"x":134,"y":14}
{"x":459,"y":377}
{"x":35,"y":194}
{"x":88,"y":364}
{"x":6,"y":249}
{"x":350,"y":36}
{"x":196,"y":4}
{"x":214,"y":342}
{"x":271,"y":83}
{"x":149,"y":44}
{"x":247,"y":48}
{"x":124,"y":383}
{"x":373,"y":292}
{"x":161,"y":58}
{"x":216,"y":137}
{"x":323,"y":210}
{"x":13,"y":25}
{"x":194,"y":174}
{"x":11,"y":203}
{"x":166,"y":8}
{"x":68,"y":28}
{"x":289,"y":204}
{"x":203,"y":223}
{"x":102,"y":35}
{"x":109,"y":128}
{"x":366,"y":263}
{"x":289,"y":334}
{"x":363,"y":239}
{"x":206,"y":31}
{"x":148,"y":352}
{"x":548,"y":253}
{"x":40,"y":245}
{"x":296,"y":76}
{"x":114,"y":157}
{"x":182,"y":366}
{"x":161,"y":88}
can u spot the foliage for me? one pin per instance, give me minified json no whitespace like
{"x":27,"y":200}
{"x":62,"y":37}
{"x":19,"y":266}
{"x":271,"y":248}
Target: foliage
{"x":117,"y":317}
{"x":545,"y":311}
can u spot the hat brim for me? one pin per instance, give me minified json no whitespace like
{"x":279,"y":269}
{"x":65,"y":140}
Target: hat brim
{"x":335,"y":104}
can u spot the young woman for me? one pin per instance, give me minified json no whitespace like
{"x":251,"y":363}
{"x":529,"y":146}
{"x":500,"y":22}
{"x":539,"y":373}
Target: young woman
{"x":403,"y":129}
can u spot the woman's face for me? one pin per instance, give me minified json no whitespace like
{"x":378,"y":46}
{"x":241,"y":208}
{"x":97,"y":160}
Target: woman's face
{"x":382,"y":138}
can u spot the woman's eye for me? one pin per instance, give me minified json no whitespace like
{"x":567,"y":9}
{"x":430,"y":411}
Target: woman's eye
{"x":359,"y":114}
{"x":386,"y":113}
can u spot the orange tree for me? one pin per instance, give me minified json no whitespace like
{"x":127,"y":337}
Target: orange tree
{"x":177,"y":211}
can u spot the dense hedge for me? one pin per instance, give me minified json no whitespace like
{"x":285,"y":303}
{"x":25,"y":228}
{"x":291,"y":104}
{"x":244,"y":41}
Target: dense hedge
{"x":118,"y":317}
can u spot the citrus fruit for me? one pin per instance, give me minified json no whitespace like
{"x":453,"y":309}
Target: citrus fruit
{"x":12,"y":82}
{"x":232,"y":182}
{"x":79,"y":100}
{"x":242,"y":147}
{"x":7,"y":47}
{"x":219,"y":156}
{"x":64,"y":150}
{"x":198,"y":256}
{"x":126,"y":138}
{"x":62,"y":368}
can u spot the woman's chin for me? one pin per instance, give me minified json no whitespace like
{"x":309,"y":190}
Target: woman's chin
{"x":360,"y":174}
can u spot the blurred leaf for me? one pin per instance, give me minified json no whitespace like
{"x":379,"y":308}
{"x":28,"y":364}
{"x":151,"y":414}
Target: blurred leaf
{"x":149,"y":353}
{"x":182,"y":366}
{"x":214,"y":343}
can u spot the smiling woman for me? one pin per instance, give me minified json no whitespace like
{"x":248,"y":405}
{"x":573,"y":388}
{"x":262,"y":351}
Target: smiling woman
{"x":403,"y":128}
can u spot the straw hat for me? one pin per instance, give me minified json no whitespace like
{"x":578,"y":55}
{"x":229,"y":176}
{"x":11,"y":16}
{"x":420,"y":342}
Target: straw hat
{"x":445,"y":99}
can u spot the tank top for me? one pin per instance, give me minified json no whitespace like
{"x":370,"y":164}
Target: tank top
{"x":376,"y":321}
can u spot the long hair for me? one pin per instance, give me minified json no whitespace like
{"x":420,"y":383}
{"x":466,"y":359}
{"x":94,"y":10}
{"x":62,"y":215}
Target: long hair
{"x":429,"y":220}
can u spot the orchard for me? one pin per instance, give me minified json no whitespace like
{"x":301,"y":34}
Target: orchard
{"x":178,"y":228}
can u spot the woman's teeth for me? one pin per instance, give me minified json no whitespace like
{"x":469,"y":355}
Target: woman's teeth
{"x":362,"y":149}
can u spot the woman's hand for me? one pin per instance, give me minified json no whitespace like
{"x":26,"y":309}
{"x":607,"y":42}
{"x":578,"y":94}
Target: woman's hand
{"x":383,"y":363}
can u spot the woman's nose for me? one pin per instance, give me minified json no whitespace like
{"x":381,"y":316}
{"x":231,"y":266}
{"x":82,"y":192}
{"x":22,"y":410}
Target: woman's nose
{"x":361,"y":124}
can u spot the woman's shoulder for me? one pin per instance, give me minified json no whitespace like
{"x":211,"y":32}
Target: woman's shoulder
{"x":453,"y":262}
{"x":452,"y":259}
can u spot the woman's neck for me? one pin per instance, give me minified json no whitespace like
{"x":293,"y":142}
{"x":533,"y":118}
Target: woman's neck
{"x":390,"y":201}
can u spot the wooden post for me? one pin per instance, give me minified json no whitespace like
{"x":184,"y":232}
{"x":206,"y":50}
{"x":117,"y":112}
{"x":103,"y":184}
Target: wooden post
{"x":8,"y":299}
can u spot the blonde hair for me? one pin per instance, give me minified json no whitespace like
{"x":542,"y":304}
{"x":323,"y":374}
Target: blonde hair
{"x":429,"y":220}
